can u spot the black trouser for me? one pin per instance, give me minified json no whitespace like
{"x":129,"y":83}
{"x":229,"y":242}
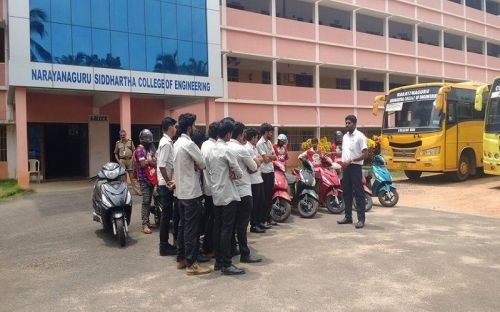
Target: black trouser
{"x":208,"y":225}
{"x":258,"y":204}
{"x":223,"y":230}
{"x":351,"y":182}
{"x":166,"y":200}
{"x":241,"y":223}
{"x":175,"y":218}
{"x":189,"y":226}
{"x":268,"y":195}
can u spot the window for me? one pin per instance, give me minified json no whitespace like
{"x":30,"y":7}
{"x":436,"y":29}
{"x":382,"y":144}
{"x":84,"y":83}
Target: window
{"x":492,"y":7}
{"x":142,"y":35}
{"x":463,"y":101}
{"x":453,"y":41}
{"x":295,"y":75}
{"x":400,"y":31}
{"x":295,"y":9}
{"x":335,"y":18}
{"x":335,"y":78}
{"x":456,"y":1}
{"x":3,"y":143}
{"x":2,"y":45}
{"x":475,"y":4}
{"x":493,"y":49}
{"x":475,"y":46}
{"x":256,"y":6}
{"x":296,"y":136}
{"x":266,"y":77}
{"x":371,"y":82}
{"x":369,"y":24}
{"x":344,"y":84}
{"x":233,"y":74}
{"x":428,"y":36}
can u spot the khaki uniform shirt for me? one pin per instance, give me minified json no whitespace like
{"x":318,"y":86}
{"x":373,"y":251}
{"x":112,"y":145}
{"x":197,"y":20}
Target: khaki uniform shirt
{"x":124,"y":150}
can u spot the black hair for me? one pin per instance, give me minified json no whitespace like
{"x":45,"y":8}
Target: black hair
{"x":225,"y":128}
{"x":186,"y":120}
{"x":167,"y":122}
{"x":239,"y":128}
{"x":230,"y":119}
{"x":351,"y":118}
{"x":198,"y":137}
{"x":251,"y":133}
{"x":213,"y":130}
{"x":265,"y":127}
{"x":314,"y":140}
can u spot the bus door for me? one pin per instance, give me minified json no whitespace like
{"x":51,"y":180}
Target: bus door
{"x":451,"y":136}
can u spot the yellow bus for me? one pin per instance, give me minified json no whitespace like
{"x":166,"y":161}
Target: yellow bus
{"x":491,"y":136}
{"x":432,"y":127}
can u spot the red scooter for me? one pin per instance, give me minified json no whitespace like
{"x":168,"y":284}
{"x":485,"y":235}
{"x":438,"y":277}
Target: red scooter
{"x":329,"y":187}
{"x":281,"y":208}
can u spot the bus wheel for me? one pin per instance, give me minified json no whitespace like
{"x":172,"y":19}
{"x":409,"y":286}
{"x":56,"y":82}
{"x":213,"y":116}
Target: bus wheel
{"x":464,"y":169}
{"x":413,"y":175}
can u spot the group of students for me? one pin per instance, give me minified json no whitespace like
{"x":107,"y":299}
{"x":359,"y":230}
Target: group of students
{"x":212,"y":187}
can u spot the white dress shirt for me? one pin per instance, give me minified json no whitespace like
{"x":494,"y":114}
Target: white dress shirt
{"x":353,"y":146}
{"x":165,"y":158}
{"x":187,"y":159}
{"x":205,"y":149}
{"x":246,"y":163}
{"x":255,"y":177}
{"x":220,"y":165}
{"x":264,"y":147}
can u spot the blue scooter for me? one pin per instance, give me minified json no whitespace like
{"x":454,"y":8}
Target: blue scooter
{"x":382,"y":186}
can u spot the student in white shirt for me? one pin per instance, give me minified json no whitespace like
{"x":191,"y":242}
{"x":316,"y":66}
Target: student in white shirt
{"x":208,"y":240}
{"x":354,"y":152}
{"x":252,"y":136}
{"x":266,"y":150}
{"x":166,"y":184}
{"x":223,"y":169}
{"x":244,"y":185}
{"x":188,"y":160}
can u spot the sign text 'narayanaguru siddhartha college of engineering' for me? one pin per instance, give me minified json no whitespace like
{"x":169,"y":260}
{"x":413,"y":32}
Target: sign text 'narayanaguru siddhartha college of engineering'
{"x":118,"y":80}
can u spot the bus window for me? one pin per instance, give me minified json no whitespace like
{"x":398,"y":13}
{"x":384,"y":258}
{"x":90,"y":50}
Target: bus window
{"x":451,"y":116}
{"x":464,"y":103}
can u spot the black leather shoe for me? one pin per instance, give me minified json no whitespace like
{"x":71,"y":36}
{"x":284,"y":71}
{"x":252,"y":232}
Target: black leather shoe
{"x":360,"y":224}
{"x":202,"y":258}
{"x":250,"y":259}
{"x":257,"y":229}
{"x":232,"y":270}
{"x":169,"y":250}
{"x":217,"y":267}
{"x":345,"y":221}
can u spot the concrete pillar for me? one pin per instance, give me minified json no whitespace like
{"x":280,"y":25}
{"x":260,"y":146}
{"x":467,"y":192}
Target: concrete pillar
{"x":209,"y":112}
{"x":21,"y":138}
{"x":125,"y":115}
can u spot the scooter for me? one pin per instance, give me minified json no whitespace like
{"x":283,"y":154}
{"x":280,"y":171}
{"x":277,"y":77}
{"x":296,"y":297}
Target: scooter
{"x":112,"y":200}
{"x":156,"y":207}
{"x":329,"y":189}
{"x":382,"y":186}
{"x":282,"y":201}
{"x":303,"y":191}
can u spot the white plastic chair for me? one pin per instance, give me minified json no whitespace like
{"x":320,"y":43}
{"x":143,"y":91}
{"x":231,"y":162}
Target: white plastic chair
{"x":34,"y":168}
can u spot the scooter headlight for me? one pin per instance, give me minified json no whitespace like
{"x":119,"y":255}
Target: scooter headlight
{"x":105,"y":201}
{"x":430,"y":151}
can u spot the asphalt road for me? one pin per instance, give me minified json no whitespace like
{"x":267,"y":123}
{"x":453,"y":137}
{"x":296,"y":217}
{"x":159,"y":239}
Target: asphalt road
{"x":55,"y":258}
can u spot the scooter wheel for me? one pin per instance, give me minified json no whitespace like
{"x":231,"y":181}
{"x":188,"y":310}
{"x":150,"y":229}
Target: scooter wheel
{"x":388,"y":199}
{"x":281,"y":210}
{"x":121,"y":232}
{"x":308,"y":207}
{"x":335,"y":204}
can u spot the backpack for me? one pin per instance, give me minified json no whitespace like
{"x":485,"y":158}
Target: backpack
{"x":149,"y":171}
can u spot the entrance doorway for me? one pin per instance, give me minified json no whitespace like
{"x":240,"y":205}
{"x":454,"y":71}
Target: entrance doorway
{"x":61,"y":148}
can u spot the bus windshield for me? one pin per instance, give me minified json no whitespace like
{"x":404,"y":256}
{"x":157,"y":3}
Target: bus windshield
{"x":492,"y":123}
{"x":412,"y":110}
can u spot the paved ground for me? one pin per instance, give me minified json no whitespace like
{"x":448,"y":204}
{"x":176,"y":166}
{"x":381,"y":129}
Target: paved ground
{"x":54,"y":258}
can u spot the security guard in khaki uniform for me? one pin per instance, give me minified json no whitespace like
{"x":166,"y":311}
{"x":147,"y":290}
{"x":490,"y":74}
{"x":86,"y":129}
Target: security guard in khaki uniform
{"x":124,"y":148}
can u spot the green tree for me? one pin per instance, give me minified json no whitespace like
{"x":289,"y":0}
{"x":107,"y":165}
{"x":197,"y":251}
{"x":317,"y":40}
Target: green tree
{"x":166,"y":63}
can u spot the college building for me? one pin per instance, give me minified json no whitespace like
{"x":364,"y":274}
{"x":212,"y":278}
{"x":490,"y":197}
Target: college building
{"x":75,"y":72}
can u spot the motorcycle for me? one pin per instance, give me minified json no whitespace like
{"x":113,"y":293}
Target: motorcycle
{"x":382,"y":186}
{"x":112,"y":201}
{"x":282,"y":201}
{"x":303,"y":191}
{"x":329,"y":189}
